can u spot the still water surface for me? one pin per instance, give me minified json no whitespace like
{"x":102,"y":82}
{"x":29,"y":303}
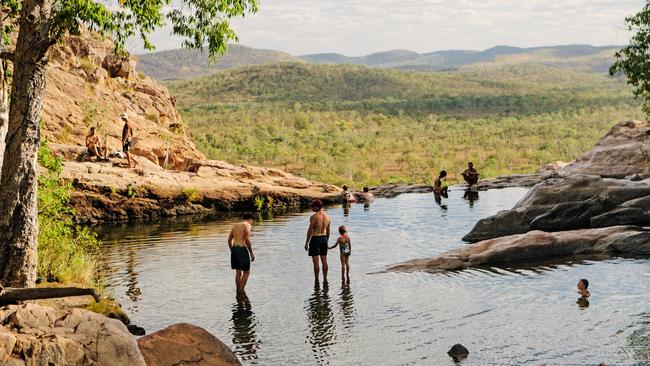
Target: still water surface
{"x":174,"y":271}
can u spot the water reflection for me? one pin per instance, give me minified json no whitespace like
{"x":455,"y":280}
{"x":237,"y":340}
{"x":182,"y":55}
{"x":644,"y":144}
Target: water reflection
{"x":346,"y":209}
{"x":471,"y":195}
{"x":346,"y":303}
{"x":366,"y":206}
{"x":438,"y":198}
{"x":132,"y":289}
{"x":320,"y":321}
{"x":244,"y":337}
{"x":583,"y":303}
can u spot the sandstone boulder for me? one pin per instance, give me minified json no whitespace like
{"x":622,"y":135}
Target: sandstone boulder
{"x":185,"y":344}
{"x":534,"y":246}
{"x":567,"y":203}
{"x":37,"y":335}
{"x":622,"y":152}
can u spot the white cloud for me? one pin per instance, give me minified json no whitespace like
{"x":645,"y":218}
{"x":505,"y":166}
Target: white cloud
{"x":356,"y":27}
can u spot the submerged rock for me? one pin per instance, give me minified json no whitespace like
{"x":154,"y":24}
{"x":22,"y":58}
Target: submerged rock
{"x":536,"y":245}
{"x":458,"y":352}
{"x":568,"y":203}
{"x":185,"y":344}
{"x":38,"y":335}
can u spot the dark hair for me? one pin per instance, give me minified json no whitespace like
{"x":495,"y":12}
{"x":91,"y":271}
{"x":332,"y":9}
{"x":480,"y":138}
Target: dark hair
{"x":470,"y":163}
{"x":443,"y":173}
{"x":248,"y":216}
{"x":365,"y":188}
{"x":342,"y":229}
{"x":585,"y":282}
{"x":345,"y":188}
{"x":316,"y":204}
{"x":92,"y":129}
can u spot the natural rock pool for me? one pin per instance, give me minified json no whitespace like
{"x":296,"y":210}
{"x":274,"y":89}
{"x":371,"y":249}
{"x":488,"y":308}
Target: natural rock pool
{"x":179,"y":271}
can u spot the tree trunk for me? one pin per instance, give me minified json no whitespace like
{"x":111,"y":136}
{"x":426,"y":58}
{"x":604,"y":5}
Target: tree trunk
{"x":19,"y":182}
{"x":4,"y":107}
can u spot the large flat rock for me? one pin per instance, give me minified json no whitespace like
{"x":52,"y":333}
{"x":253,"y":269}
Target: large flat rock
{"x":535,"y":246}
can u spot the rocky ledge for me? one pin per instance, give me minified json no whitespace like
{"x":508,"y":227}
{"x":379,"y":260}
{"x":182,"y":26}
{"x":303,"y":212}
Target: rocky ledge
{"x":107,"y":191}
{"x":536,"y":245}
{"x":598,"y":204}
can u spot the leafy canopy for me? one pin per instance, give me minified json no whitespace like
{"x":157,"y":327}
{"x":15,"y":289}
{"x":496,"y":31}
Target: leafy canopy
{"x":202,"y":23}
{"x":634,"y":59}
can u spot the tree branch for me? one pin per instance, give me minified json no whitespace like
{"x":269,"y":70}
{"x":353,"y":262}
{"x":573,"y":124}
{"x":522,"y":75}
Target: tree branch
{"x":6,"y":55}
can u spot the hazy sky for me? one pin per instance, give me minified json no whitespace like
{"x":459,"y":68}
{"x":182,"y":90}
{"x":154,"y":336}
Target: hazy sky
{"x":357,"y":27}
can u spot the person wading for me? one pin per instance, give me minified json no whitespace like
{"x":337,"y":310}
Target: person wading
{"x":317,"y":236}
{"x":241,"y":251}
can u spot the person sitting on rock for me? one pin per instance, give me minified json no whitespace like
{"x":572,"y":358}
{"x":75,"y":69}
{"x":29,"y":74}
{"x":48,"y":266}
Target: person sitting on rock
{"x":127,"y":139}
{"x":583,"y":288}
{"x":440,"y":186}
{"x":470,"y":174}
{"x":94,"y":147}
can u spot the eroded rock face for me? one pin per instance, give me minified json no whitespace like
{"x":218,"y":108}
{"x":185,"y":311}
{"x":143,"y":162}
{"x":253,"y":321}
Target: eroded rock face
{"x":88,"y":85}
{"x":109,"y":192}
{"x":536,"y":245}
{"x":624,"y":151}
{"x":39,"y":335}
{"x":568,"y":203}
{"x":185,"y":344}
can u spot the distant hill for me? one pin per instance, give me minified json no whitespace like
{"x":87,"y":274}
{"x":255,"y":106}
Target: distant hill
{"x":186,"y":64}
{"x":582,"y":57}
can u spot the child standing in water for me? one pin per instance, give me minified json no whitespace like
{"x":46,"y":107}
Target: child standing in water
{"x":583,"y":288}
{"x":345,"y":246}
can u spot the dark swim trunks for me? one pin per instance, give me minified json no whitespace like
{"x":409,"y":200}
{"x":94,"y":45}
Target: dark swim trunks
{"x":239,"y":259}
{"x":318,"y":246}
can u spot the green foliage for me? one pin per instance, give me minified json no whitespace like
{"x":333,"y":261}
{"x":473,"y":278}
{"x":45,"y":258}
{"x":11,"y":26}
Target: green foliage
{"x":191,"y":194}
{"x":355,"y":125}
{"x":131,"y":191}
{"x":65,"y":251}
{"x":634,"y":59}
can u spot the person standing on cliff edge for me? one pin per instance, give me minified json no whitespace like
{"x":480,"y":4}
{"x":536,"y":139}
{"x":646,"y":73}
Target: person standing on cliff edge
{"x":318,"y":234}
{"x":241,"y":251}
{"x":127,"y":139}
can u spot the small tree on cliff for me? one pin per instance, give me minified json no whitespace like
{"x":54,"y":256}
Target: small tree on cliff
{"x":40,"y":24}
{"x":634,"y":59}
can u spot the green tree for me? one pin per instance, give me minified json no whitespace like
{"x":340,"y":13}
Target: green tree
{"x":634,"y":60}
{"x":42,"y":23}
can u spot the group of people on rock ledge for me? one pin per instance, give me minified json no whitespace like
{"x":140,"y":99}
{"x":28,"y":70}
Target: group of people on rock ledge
{"x":95,"y":148}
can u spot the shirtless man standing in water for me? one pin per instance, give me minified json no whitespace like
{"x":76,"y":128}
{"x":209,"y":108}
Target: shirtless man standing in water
{"x":317,"y":236}
{"x":241,"y":251}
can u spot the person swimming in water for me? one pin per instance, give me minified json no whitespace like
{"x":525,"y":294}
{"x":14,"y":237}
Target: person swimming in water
{"x":345,"y":245}
{"x":583,"y":288}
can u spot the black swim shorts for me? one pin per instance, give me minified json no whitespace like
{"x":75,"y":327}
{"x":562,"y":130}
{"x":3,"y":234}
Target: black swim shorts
{"x":318,"y":246}
{"x":239,"y":259}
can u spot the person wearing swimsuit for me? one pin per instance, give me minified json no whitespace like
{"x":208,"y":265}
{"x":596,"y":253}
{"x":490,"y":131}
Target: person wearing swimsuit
{"x":318,"y":234}
{"x":345,"y":246}
{"x":241,"y":251}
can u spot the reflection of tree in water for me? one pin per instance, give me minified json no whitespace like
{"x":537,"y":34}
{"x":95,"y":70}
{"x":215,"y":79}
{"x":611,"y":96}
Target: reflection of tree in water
{"x":321,"y":323}
{"x":639,"y":341}
{"x":243,"y":329}
{"x":346,"y":303}
{"x":132,"y":289}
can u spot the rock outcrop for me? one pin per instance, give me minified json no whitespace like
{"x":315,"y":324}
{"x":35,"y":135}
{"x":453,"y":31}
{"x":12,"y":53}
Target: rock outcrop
{"x":534,"y":246}
{"x":567,"y":203}
{"x":37,"y":335}
{"x":108,"y":192}
{"x":88,"y":85}
{"x":185,"y":344}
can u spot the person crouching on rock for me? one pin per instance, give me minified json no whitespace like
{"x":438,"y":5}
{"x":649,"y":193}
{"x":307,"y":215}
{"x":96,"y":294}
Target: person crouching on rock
{"x":94,"y":147}
{"x":127,"y":139}
{"x":318,"y":234}
{"x":241,"y":251}
{"x":470,"y":174}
